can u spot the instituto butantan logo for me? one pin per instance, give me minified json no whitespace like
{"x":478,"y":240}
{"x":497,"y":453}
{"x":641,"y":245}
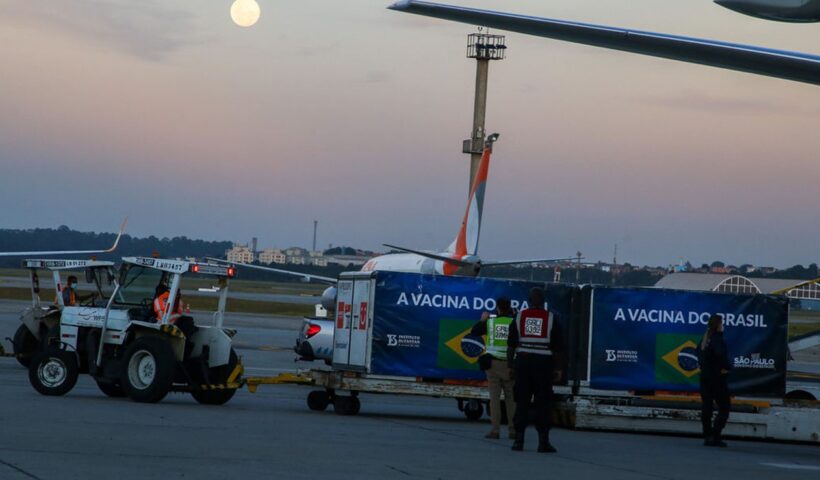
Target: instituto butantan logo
{"x":621,"y":356}
{"x":411,"y":341}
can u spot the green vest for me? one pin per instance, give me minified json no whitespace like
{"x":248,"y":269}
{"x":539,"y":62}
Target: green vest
{"x":498,"y":330}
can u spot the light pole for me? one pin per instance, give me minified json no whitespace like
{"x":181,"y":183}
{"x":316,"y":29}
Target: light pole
{"x":483,"y":47}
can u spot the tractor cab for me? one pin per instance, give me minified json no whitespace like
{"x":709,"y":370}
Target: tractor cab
{"x":40,"y":322}
{"x":141,"y":343}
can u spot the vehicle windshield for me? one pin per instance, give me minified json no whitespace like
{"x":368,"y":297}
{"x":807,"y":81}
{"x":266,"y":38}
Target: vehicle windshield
{"x":139,"y":285}
{"x":101,"y":280}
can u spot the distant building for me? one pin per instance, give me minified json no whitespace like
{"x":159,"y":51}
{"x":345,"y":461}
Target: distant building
{"x":296,"y":252}
{"x":319,"y":261}
{"x":272,"y":255}
{"x":240,"y":254}
{"x":297,"y":261}
{"x":807,"y":293}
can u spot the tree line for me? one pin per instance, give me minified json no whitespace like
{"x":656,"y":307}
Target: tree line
{"x":64,"y":238}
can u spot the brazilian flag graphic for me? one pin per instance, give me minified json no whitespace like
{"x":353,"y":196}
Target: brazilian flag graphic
{"x":450,"y":334}
{"x":676,"y":359}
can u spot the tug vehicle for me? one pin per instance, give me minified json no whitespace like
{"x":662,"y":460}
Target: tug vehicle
{"x":129,"y":351}
{"x":40,"y":323}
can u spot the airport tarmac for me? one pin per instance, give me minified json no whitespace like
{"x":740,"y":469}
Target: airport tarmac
{"x":272,"y":434}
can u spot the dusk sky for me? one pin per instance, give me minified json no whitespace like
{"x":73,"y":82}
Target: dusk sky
{"x":348,"y":113}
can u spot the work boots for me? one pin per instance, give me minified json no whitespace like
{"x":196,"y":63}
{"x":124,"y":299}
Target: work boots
{"x":715,"y":440}
{"x":544,"y":445}
{"x":518,"y":443}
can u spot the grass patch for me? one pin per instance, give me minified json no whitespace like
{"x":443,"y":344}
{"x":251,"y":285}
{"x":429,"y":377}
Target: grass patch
{"x":797,"y":329}
{"x":194,"y":282}
{"x":8,"y":293}
{"x":207,"y":304}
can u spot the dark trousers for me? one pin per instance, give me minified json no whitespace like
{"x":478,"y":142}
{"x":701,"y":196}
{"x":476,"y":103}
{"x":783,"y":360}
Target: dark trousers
{"x":714,"y":391}
{"x":533,"y":382}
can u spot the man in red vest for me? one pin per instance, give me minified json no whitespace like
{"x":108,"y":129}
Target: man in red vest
{"x":532,"y":349}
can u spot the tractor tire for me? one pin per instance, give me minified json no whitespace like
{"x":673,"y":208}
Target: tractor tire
{"x":53,"y":372}
{"x":148,"y":369}
{"x":113,"y":390}
{"x":473,"y":410}
{"x":318,"y":400}
{"x":346,"y":405}
{"x":25,"y":345}
{"x":219,"y":375}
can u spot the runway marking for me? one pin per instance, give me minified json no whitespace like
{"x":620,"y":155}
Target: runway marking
{"x":18,"y":469}
{"x":792,"y":466}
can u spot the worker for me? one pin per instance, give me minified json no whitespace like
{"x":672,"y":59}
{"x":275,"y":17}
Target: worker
{"x":714,"y":386}
{"x":70,"y":296}
{"x":161,"y":297}
{"x":533,"y":349}
{"x":495,"y":330}
{"x":177,"y":317}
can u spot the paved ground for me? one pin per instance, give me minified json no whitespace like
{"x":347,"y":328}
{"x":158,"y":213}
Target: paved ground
{"x":272,"y":434}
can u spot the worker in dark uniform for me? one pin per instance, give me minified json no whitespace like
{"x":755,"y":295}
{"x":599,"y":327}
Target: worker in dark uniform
{"x":533,"y":349}
{"x":70,"y":296}
{"x":714,"y":386}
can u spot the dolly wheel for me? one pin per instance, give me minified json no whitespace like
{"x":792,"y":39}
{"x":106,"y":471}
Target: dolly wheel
{"x":473,"y":410}
{"x":346,"y":405}
{"x":318,"y":400}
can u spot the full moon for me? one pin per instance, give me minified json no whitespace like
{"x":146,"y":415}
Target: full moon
{"x":245,"y":12}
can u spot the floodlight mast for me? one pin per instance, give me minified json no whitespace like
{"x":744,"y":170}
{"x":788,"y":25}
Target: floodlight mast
{"x":483,"y":47}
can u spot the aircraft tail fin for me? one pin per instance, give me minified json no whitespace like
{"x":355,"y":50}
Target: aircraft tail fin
{"x":466,"y":242}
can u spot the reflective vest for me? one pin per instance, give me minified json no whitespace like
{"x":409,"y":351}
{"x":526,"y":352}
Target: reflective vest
{"x":71,"y":300}
{"x":161,"y":304}
{"x":534,"y":330}
{"x":498,"y":330}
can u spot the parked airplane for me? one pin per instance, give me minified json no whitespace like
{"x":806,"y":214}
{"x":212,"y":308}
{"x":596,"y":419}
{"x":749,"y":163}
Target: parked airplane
{"x":70,"y":252}
{"x":800,"y":67}
{"x":460,"y":258}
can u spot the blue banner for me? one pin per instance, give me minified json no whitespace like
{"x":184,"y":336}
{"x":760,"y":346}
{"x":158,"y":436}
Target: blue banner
{"x":420,"y":322}
{"x":646,"y":339}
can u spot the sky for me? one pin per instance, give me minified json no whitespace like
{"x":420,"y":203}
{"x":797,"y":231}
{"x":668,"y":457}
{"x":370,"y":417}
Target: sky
{"x":353,"y":115}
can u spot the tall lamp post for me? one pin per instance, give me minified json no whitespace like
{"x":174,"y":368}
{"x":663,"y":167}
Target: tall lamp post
{"x":483,"y":47}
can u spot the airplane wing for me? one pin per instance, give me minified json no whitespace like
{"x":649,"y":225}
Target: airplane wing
{"x":521,"y":262}
{"x":441,"y":258}
{"x":70,"y":252}
{"x":800,"y":67}
{"x":308,"y":276}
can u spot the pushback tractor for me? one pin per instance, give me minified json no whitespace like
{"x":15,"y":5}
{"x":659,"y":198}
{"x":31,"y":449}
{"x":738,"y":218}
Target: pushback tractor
{"x":130,"y":351}
{"x":40,"y":323}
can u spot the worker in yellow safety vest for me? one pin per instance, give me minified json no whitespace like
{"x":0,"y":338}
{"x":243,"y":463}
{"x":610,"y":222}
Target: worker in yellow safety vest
{"x":495,"y":329}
